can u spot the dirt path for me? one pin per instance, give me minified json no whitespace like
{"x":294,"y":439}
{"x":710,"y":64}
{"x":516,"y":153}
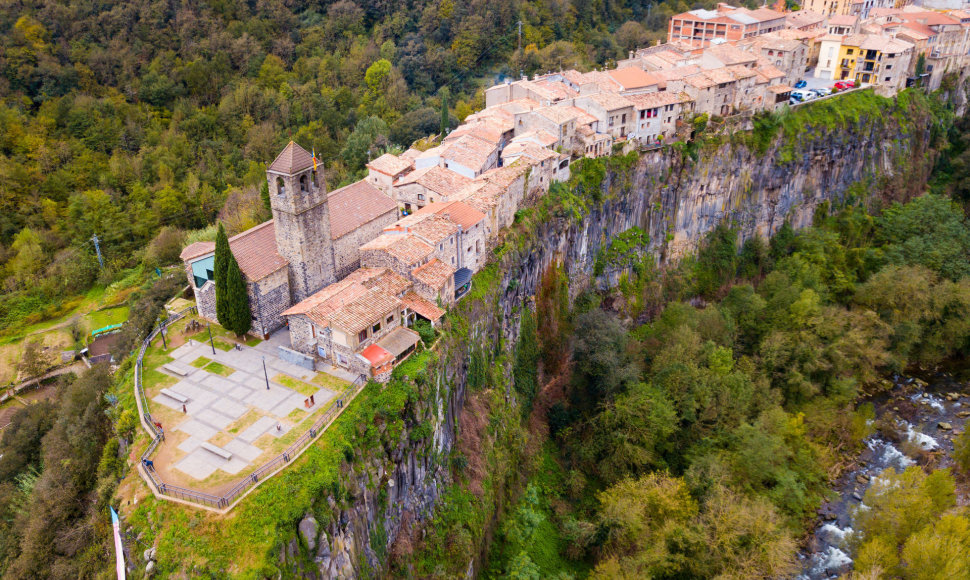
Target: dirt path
{"x":77,"y":367}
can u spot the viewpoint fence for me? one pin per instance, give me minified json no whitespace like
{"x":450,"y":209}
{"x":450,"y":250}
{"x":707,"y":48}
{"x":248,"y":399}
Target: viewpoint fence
{"x":225,"y":501}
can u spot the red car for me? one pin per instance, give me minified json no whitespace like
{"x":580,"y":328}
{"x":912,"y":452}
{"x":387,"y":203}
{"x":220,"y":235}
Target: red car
{"x":843,"y":85}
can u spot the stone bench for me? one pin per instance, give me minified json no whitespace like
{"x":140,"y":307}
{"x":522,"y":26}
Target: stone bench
{"x":177,"y":369}
{"x":173,"y":395}
{"x":217,"y":451}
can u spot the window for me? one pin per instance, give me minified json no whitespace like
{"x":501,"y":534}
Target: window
{"x":849,"y":52}
{"x":478,"y":247}
{"x":280,"y":186}
{"x":889,"y":66}
{"x":469,"y":249}
{"x":390,"y":318}
{"x":303,"y":184}
{"x":441,"y":246}
{"x":642,"y":114}
{"x":623,"y":121}
{"x":887,"y":79}
{"x":376,"y":328}
{"x":362,"y":335}
{"x":317,"y":184}
{"x":420,"y":197}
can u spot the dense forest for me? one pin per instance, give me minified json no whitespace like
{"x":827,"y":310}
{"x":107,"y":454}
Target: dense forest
{"x":128,"y":120}
{"x":702,"y":411}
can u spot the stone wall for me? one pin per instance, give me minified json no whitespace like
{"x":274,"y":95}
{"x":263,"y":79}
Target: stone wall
{"x":301,"y":334}
{"x":205,"y":297}
{"x":346,"y":249}
{"x":297,"y":358}
{"x":268,"y":298}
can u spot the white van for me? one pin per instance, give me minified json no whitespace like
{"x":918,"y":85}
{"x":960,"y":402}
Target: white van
{"x":800,"y":96}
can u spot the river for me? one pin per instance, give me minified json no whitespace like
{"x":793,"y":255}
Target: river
{"x":919,"y":423}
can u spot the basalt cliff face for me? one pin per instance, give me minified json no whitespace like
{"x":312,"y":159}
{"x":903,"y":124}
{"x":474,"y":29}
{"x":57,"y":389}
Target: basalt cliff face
{"x":464,"y":403}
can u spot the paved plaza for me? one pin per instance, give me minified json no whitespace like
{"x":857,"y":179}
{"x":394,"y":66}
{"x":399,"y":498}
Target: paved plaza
{"x":213,"y":403}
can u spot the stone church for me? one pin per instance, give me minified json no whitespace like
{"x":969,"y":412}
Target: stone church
{"x":312,"y":241}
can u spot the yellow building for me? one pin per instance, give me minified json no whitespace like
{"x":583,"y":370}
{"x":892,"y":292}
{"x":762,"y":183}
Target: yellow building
{"x":873,"y":59}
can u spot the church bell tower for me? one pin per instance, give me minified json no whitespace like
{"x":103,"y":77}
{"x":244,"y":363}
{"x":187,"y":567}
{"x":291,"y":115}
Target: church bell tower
{"x":298,"y":198}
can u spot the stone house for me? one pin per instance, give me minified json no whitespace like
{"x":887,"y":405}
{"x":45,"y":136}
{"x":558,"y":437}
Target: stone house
{"x":614,"y":113}
{"x":657,"y":115}
{"x":386,"y":169}
{"x":427,"y":185}
{"x":787,"y":54}
{"x":471,"y":235}
{"x":360,"y":323}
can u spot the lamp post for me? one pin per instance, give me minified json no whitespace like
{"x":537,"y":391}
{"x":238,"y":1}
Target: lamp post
{"x":265,"y":376}
{"x":207,"y":327}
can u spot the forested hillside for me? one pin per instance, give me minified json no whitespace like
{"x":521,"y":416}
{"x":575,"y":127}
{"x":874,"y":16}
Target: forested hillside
{"x":123,"y":118}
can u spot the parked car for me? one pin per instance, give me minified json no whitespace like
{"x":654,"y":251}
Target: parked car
{"x":800,"y":96}
{"x":843,"y":85}
{"x":822,"y":92}
{"x":801,"y":84}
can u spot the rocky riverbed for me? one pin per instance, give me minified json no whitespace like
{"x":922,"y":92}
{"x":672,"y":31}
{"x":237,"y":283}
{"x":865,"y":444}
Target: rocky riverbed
{"x":916,"y":423}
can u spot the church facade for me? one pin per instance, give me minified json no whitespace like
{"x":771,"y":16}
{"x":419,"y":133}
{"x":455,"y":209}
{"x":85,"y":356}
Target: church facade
{"x":312,"y":241}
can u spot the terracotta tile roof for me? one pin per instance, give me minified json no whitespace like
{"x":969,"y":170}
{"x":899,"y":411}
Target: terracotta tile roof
{"x":558,"y":115}
{"x":424,"y":307}
{"x":495,"y":117}
{"x":654,"y":100}
{"x":355,"y":205}
{"x":434,"y":228}
{"x":484,"y":129}
{"x":505,"y":176}
{"x":779,"y":89}
{"x":531,"y":151}
{"x":632,"y":78}
{"x":610,"y":101}
{"x":437,"y":179}
{"x":843,"y":20}
{"x":376,"y":355}
{"x":364,"y":311}
{"x":456,"y":211}
{"x":389,"y":282}
{"x":197,"y":249}
{"x":331,"y":297}
{"x":701,"y":81}
{"x":469,"y":151}
{"x":741,"y":72}
{"x":519,"y":106}
{"x":404,"y":247}
{"x":254,"y":249}
{"x":770,"y":72}
{"x":389,"y":164}
{"x":554,"y":90}
{"x":539,"y":136}
{"x":293,"y":158}
{"x":803,"y":18}
{"x":434,"y":274}
{"x":730,"y":54}
{"x":411,"y":154}
{"x":582,"y":117}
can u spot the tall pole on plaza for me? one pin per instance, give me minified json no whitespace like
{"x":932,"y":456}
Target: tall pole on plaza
{"x":265,"y":376}
{"x":207,"y":327}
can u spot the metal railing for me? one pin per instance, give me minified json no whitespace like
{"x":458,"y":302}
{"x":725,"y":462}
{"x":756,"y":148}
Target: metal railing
{"x":266,"y":470}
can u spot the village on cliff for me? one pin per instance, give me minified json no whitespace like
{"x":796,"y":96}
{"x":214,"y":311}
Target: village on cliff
{"x":348,"y":272}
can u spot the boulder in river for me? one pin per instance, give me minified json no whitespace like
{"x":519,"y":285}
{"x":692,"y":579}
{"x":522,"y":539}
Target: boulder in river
{"x":945,"y":426}
{"x":857,"y":496}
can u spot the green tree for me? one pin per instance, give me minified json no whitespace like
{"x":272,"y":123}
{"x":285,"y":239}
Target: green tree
{"x":445,"y":115}
{"x":238,"y":317}
{"x":961,"y":452}
{"x":526,"y":367}
{"x":220,"y":270}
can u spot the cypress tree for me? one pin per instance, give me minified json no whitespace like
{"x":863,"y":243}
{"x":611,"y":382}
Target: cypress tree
{"x":236,"y":300}
{"x":445,"y":118}
{"x":219,"y":269}
{"x":264,"y":196}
